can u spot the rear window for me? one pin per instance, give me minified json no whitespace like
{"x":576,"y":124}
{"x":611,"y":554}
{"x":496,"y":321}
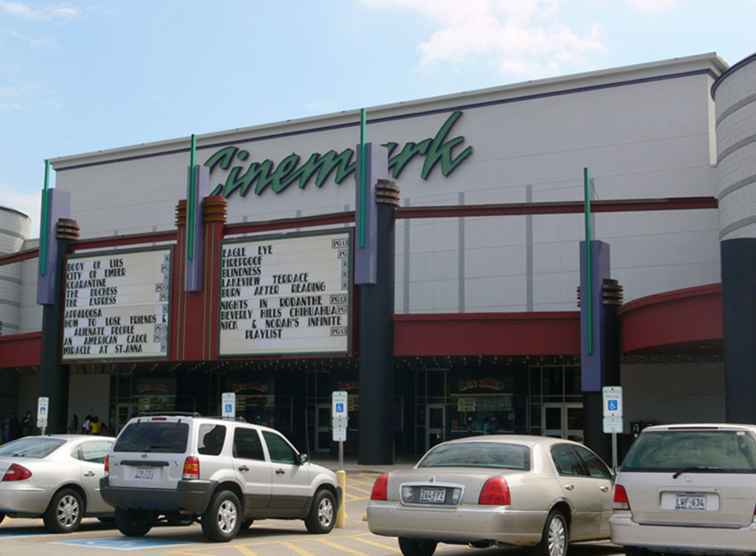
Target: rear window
{"x":672,"y":451}
{"x":34,"y":448}
{"x":157,"y":437}
{"x":479,"y":454}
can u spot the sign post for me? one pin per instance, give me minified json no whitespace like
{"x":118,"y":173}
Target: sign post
{"x":613,"y":420}
{"x":228,"y":405}
{"x":340,"y":418}
{"x":43,"y":410}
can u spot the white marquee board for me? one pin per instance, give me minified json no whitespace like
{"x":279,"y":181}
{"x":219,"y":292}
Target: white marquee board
{"x":117,"y":305}
{"x":286,"y":295}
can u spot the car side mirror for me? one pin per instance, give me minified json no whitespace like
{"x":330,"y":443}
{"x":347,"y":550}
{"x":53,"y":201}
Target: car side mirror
{"x":302,"y":459}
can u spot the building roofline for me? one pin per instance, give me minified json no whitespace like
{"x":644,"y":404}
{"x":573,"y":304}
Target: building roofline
{"x":729,"y":71}
{"x":15,"y":211}
{"x":553,"y":84}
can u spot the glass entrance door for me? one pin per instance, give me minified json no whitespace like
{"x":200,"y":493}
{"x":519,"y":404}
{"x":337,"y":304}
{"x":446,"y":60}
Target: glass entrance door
{"x":323,"y":427}
{"x":435,"y":424}
{"x":563,"y":420}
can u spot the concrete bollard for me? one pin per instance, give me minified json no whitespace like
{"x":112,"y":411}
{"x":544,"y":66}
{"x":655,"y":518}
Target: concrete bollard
{"x":341,"y":515}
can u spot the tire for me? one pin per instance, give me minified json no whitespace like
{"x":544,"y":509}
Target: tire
{"x":133,"y":523}
{"x":65,"y":511}
{"x":322,"y":517}
{"x":223,"y":518}
{"x":246,"y":524}
{"x":556,"y":530}
{"x":417,"y":547}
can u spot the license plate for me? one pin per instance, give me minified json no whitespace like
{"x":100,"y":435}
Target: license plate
{"x":144,"y":473}
{"x":688,"y":502}
{"x":432,"y":495}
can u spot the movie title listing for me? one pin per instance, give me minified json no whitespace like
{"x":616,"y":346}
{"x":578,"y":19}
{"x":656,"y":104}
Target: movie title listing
{"x":286,"y":295}
{"x":116,"y":305}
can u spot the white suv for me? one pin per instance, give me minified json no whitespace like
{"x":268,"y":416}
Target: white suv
{"x":225,"y":473}
{"x":688,"y":489}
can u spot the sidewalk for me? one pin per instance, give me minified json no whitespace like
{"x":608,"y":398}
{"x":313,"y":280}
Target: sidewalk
{"x":351,"y":465}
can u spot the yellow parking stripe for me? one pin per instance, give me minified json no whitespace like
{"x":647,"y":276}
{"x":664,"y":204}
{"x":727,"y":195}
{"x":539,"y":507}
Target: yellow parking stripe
{"x":342,"y":548}
{"x":297,"y":549}
{"x":246,"y":551}
{"x":378,"y":544}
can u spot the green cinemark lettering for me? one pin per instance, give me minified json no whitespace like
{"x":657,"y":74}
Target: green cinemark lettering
{"x":244,"y":176}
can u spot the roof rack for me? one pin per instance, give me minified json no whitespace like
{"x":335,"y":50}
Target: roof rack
{"x":238,"y":419}
{"x":169,"y":414}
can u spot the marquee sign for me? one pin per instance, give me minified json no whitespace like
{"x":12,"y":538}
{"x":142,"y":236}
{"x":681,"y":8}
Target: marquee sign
{"x":286,"y":295}
{"x":116,"y":305}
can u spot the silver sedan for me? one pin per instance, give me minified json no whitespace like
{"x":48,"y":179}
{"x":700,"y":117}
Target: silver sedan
{"x":54,"y":477}
{"x":496,"y":490}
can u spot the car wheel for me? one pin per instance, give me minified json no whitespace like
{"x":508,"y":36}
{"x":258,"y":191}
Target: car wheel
{"x":247,"y":523}
{"x":222,"y":519}
{"x":322,"y":517}
{"x":417,"y":547}
{"x":556,"y":536}
{"x":64,"y":513}
{"x":133,"y":523}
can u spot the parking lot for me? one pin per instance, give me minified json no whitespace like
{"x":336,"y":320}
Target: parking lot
{"x":27,"y":537}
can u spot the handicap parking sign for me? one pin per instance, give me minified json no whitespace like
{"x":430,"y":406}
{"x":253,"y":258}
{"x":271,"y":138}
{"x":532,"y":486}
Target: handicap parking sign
{"x":339,"y":407}
{"x":613,"y":405}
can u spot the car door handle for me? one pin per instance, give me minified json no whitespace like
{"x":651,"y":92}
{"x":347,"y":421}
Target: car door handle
{"x":89,"y":474}
{"x":244,"y":469}
{"x":569,"y":487}
{"x":604,"y":488}
{"x":280,"y":471}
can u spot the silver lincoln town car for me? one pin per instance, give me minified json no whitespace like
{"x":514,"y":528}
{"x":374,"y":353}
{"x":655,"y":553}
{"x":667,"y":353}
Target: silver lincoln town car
{"x":54,"y":477}
{"x":496,"y":490}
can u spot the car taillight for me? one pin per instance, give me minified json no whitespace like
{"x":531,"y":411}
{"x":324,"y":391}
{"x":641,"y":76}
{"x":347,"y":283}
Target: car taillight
{"x":621,"y":501}
{"x":106,"y":463}
{"x":191,"y":468}
{"x":16,"y":473}
{"x":495,"y":493}
{"x":380,"y":488}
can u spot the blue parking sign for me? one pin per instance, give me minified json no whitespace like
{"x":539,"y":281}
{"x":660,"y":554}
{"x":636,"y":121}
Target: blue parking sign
{"x":339,"y":407}
{"x":613,"y":405}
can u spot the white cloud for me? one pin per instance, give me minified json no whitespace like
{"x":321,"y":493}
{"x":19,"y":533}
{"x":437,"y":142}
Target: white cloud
{"x":653,"y":6}
{"x":28,"y":203}
{"x":29,"y":12}
{"x":523,"y":37}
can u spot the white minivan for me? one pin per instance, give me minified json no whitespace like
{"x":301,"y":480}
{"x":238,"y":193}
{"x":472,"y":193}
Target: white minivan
{"x":223,"y":473}
{"x":688,"y":489}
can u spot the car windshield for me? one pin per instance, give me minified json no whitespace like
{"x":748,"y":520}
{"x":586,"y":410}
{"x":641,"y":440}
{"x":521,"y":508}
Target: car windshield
{"x":35,"y":447}
{"x":690,"y":451}
{"x":149,"y":436}
{"x":478,"y":454}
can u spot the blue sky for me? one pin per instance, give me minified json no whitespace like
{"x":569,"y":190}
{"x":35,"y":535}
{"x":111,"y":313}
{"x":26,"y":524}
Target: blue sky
{"x":82,"y":76}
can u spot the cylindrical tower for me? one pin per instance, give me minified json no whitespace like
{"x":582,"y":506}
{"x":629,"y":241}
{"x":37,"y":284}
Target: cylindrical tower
{"x":15,"y":227}
{"x":735,"y":96}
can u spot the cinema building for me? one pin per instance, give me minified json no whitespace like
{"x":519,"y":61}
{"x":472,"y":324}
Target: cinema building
{"x":474,"y":316}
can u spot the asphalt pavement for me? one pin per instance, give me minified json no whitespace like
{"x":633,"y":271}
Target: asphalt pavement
{"x":27,"y":537}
